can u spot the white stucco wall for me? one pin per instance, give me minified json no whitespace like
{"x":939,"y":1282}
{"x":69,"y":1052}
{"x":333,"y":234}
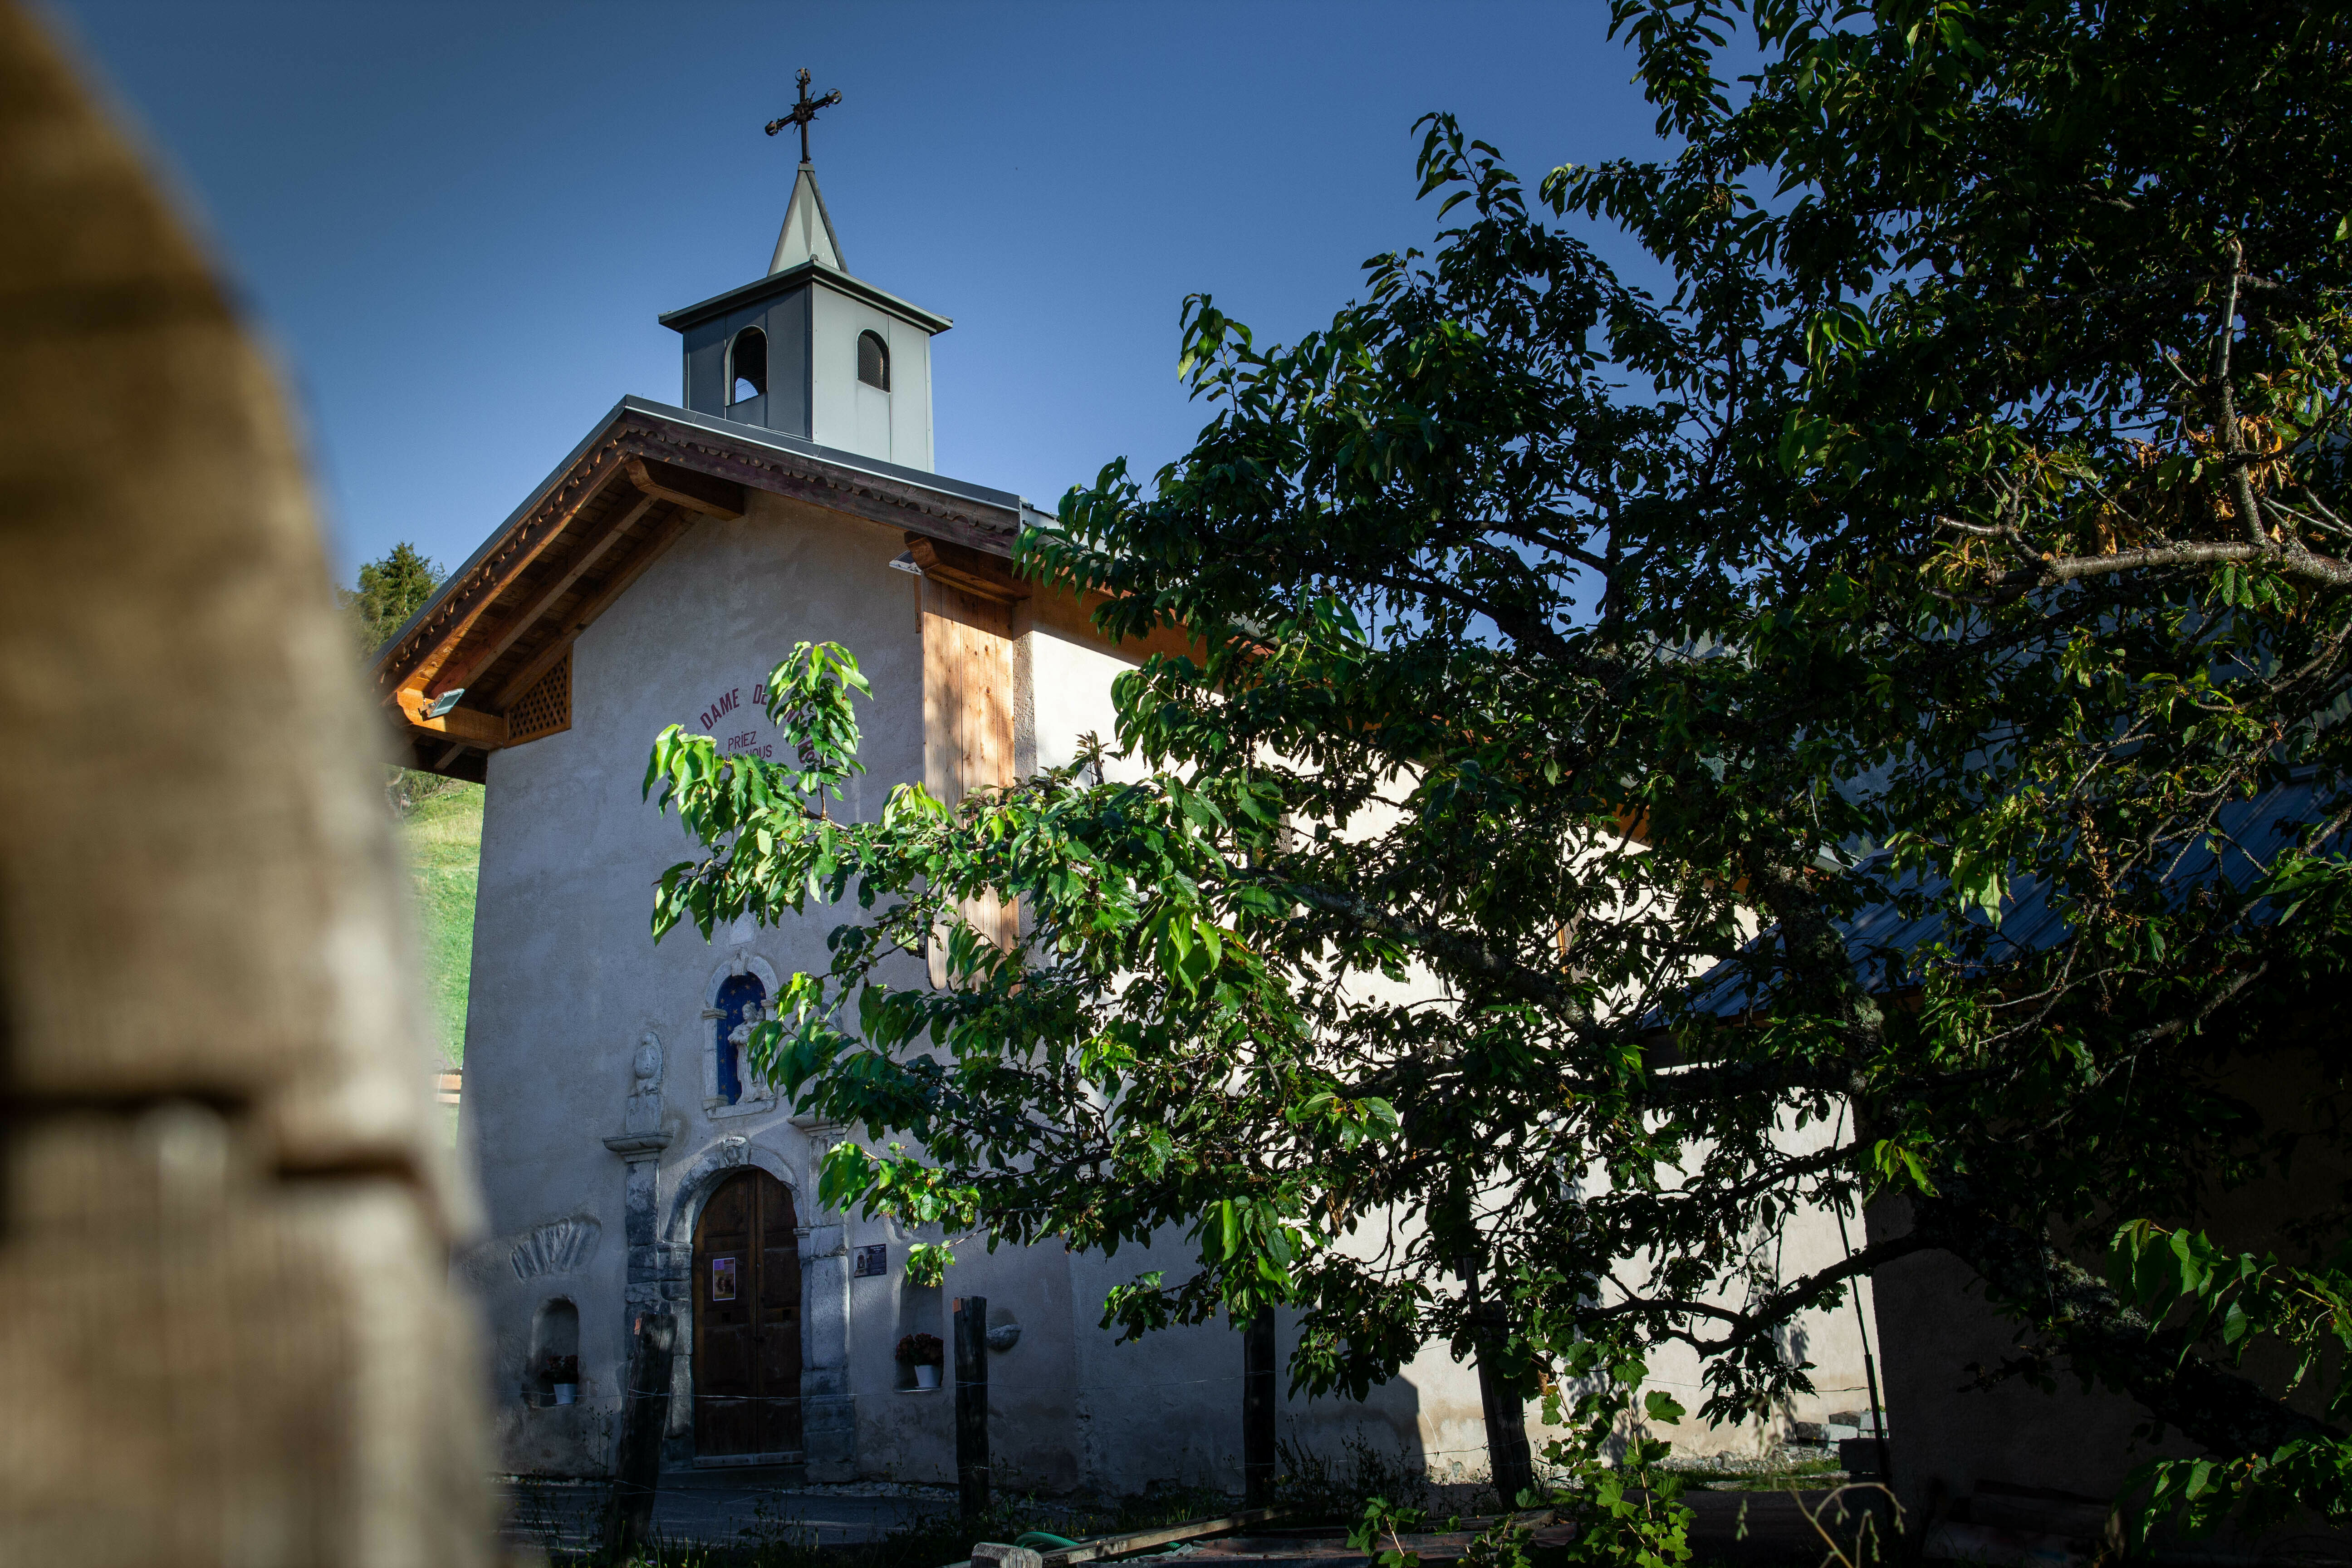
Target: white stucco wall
{"x":566,"y":980}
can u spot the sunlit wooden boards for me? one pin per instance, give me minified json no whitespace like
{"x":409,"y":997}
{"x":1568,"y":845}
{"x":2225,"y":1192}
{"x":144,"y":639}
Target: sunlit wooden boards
{"x":968,"y":718}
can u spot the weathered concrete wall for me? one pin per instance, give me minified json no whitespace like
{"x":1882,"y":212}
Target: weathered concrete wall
{"x":567,"y":981}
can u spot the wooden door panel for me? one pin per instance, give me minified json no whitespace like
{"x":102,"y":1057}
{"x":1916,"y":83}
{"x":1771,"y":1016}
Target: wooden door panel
{"x":747,"y":1344}
{"x":779,"y":1349}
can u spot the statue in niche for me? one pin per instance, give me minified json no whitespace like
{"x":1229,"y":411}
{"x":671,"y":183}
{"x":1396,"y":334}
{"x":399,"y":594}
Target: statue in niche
{"x":644,"y":1111}
{"x":755,"y":1086}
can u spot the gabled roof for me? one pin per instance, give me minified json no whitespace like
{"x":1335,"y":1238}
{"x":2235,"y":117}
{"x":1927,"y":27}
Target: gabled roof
{"x":508,"y":616}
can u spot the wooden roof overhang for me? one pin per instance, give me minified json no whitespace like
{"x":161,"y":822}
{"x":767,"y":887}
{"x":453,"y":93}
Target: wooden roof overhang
{"x":507,"y":617}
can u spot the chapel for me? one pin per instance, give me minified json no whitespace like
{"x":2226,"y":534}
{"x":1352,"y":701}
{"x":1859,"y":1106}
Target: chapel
{"x":630,"y":1161}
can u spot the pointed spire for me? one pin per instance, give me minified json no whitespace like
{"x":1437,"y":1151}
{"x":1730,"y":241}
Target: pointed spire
{"x":808,"y":229}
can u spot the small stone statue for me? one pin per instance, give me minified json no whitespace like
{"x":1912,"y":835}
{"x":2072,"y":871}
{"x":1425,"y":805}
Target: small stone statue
{"x":753,"y":1083}
{"x":644,"y":1111}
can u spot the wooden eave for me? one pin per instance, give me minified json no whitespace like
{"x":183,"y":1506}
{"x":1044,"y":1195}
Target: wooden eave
{"x":624,"y":495}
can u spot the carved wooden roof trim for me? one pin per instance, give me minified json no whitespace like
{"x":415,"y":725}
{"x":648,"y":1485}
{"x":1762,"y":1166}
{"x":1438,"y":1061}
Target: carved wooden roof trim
{"x":490,"y":571}
{"x":520,"y":559}
{"x":878,"y":497}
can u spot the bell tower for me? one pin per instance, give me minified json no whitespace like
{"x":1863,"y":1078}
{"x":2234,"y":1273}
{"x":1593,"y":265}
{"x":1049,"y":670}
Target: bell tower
{"x":810,"y":350}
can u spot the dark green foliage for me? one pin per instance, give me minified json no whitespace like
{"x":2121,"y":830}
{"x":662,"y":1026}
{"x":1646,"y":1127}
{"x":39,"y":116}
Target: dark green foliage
{"x":1964,"y":533}
{"x":389,"y":592}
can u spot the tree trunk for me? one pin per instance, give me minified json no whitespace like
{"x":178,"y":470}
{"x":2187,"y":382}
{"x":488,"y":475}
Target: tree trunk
{"x":1509,"y":1458}
{"x":971,"y":1403}
{"x":636,"y":1466}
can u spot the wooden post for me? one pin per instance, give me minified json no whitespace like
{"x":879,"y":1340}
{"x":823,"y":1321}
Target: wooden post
{"x":971,"y":1403}
{"x":230,"y":1333}
{"x":1257,"y":1410}
{"x":645,"y":1416}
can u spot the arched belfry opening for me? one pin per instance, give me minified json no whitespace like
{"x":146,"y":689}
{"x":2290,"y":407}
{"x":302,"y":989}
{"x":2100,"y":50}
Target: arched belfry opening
{"x":747,"y":366}
{"x":812,"y":352}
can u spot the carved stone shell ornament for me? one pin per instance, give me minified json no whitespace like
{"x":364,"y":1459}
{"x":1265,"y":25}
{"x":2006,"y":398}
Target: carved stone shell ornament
{"x":556,"y":1248}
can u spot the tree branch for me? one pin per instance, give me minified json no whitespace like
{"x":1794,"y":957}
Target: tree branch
{"x":2303,"y":563}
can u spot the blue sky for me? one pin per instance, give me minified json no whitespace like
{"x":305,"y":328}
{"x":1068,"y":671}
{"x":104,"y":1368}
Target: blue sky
{"x":457,"y":222}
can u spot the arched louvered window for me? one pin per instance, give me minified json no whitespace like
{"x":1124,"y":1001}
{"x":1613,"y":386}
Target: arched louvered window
{"x":873,"y":360}
{"x":747,"y":366}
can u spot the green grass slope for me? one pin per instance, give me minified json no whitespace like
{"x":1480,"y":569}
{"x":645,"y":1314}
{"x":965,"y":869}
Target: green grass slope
{"x":443,"y":835}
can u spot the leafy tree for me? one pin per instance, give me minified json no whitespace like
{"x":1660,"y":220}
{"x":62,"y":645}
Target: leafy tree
{"x":389,"y":591}
{"x":1955,"y":550}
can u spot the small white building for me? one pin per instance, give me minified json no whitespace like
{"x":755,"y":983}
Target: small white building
{"x":628,"y":1161}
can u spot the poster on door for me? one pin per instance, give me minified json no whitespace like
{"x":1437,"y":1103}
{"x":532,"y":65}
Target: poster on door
{"x":722,"y":1279}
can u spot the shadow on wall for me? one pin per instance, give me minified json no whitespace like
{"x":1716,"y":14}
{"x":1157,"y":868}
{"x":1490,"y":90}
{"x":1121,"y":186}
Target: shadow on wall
{"x":1328,"y":1468}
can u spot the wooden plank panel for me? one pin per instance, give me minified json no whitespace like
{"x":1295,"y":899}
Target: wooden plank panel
{"x":1106,"y":1546}
{"x":967,"y":692}
{"x":968,"y":720}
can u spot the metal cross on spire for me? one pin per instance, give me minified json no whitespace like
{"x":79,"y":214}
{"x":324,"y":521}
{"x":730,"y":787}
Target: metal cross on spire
{"x":805,"y":112}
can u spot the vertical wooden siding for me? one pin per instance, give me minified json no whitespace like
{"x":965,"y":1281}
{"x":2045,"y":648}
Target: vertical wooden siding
{"x":968,"y":720}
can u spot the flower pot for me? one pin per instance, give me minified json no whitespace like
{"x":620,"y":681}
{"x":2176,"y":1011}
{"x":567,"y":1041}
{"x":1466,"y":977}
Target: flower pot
{"x":567,"y":1393}
{"x":926,"y":1376}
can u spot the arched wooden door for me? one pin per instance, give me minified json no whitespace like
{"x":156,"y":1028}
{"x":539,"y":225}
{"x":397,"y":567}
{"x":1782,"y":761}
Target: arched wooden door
{"x":747,"y":1320}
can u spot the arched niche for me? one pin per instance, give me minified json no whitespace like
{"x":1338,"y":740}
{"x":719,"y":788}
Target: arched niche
{"x":554,"y":1348}
{"x":756,"y":1095}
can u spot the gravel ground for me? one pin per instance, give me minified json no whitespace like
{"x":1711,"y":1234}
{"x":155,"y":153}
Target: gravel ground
{"x":724,"y":1505}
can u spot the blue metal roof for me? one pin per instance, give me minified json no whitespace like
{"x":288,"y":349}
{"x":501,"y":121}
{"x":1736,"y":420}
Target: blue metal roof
{"x":1883,"y":938}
